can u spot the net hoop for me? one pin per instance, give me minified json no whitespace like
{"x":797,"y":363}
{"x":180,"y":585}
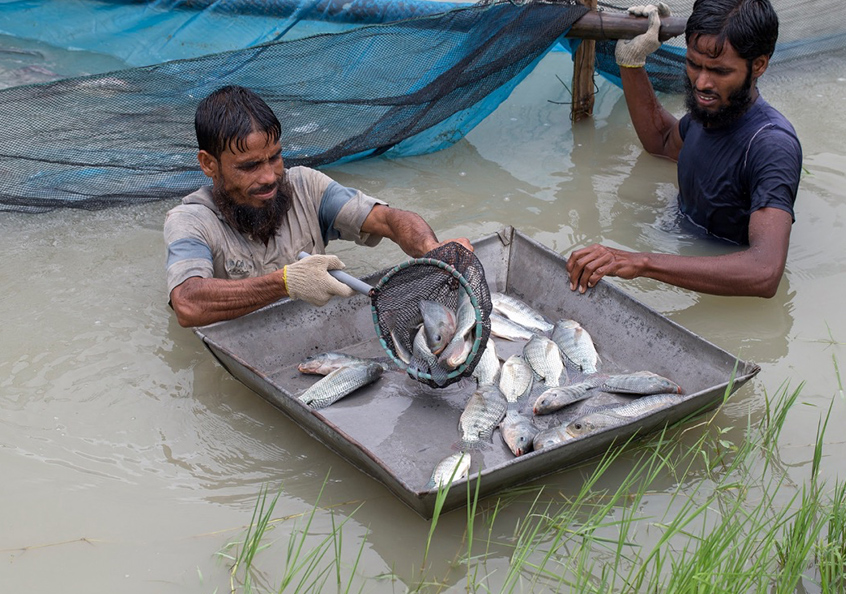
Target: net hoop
{"x":472,"y":357}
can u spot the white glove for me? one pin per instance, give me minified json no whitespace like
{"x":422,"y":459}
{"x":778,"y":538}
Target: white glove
{"x":308,"y":279}
{"x":631,"y":53}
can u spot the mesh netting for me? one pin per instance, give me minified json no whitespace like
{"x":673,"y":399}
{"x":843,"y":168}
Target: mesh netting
{"x":407,"y":87}
{"x":343,"y":87}
{"x":442,"y":276}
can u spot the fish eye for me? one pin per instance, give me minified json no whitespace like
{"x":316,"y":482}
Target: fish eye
{"x":577,"y":425}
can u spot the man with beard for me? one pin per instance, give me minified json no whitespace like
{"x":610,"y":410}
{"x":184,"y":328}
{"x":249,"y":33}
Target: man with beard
{"x":739,"y":159}
{"x":232,"y":247}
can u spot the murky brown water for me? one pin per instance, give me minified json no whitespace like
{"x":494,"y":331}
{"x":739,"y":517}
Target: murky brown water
{"x":130,"y":457}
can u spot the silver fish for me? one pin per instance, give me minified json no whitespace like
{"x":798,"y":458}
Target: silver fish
{"x":520,"y":312}
{"x":641,"y":382}
{"x":488,"y":368}
{"x":451,"y":469}
{"x":518,"y":431}
{"x":329,"y":361}
{"x":619,"y":415}
{"x":424,"y":361}
{"x":556,"y":398}
{"x":516,"y":378}
{"x":505,"y":328}
{"x":550,"y":437}
{"x":400,"y":351}
{"x":576,"y":345}
{"x":482,"y":413}
{"x":455,"y":353}
{"x":439,"y":322}
{"x":339,"y":383}
{"x":545,"y":359}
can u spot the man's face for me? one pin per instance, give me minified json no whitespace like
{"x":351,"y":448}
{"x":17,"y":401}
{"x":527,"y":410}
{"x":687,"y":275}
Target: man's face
{"x":248,"y":185}
{"x":252,"y":177}
{"x":719,"y":85}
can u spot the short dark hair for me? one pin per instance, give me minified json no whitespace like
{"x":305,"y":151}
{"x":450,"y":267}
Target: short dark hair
{"x":750,"y":26}
{"x":229,"y":115}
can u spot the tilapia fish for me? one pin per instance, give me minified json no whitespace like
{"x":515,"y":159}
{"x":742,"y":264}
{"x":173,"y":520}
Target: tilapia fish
{"x":456,"y":351}
{"x":439,"y":324}
{"x":488,"y":368}
{"x":515,"y":378}
{"x":517,"y":431}
{"x":554,"y":399}
{"x":482,"y":413}
{"x":423,"y":360}
{"x":545,"y":359}
{"x":504,"y":328}
{"x":339,"y":383}
{"x":520,"y":312}
{"x":576,"y":346}
{"x":598,"y":421}
{"x":449,"y":470}
{"x":329,"y":361}
{"x":640,"y":382}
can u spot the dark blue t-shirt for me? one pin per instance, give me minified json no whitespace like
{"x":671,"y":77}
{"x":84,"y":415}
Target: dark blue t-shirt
{"x":727,"y":173}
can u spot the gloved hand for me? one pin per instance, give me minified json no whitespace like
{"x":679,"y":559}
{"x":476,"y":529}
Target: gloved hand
{"x":308,"y":279}
{"x":631,"y":53}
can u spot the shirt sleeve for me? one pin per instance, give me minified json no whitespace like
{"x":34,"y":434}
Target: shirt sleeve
{"x":188,"y":251}
{"x":774,"y":163}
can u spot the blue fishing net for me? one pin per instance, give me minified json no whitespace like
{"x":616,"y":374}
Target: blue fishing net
{"x":348,"y":79}
{"x":405,"y":87}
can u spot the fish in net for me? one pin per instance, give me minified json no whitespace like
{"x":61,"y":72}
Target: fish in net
{"x":453,"y":277}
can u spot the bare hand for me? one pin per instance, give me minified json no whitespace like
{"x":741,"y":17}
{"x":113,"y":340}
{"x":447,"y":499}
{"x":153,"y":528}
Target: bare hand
{"x":463,"y":241}
{"x":587,"y":265}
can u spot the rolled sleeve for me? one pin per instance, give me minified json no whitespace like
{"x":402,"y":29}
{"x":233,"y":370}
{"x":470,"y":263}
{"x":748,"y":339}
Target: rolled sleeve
{"x":188,"y":253}
{"x":342,"y":213}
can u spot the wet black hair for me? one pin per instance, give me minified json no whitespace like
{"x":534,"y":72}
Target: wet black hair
{"x":750,"y":26}
{"x":228,"y":116}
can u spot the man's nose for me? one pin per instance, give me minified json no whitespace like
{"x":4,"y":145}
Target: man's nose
{"x":267,"y":174}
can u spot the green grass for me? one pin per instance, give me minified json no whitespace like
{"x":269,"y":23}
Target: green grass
{"x":733,"y":521}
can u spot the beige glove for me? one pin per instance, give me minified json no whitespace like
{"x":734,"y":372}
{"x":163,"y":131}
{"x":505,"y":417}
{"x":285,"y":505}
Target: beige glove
{"x":308,"y":279}
{"x":631,"y":53}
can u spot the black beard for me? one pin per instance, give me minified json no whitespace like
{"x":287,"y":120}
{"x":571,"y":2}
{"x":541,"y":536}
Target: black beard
{"x":738,"y":102}
{"x":261,"y":223}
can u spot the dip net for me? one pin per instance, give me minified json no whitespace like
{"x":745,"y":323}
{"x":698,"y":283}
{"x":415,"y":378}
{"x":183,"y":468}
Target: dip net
{"x":348,"y":79}
{"x":451,"y":276}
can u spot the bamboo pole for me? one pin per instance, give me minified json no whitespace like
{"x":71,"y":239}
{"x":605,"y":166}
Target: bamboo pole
{"x":583,"y":68}
{"x":605,"y":25}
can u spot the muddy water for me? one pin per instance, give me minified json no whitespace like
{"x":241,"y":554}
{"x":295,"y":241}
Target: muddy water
{"x":131,"y":458}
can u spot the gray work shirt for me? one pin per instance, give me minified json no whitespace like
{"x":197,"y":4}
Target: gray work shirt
{"x":201,"y":243}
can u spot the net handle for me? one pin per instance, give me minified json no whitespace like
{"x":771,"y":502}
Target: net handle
{"x":351,"y":281}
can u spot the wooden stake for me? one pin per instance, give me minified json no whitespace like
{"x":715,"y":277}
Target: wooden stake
{"x":583,"y":67}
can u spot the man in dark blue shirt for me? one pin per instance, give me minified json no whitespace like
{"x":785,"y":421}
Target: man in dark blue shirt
{"x":739,"y":159}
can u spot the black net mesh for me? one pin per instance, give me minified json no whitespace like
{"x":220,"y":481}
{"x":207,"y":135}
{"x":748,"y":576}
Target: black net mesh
{"x":128,"y":136}
{"x":440,"y":276}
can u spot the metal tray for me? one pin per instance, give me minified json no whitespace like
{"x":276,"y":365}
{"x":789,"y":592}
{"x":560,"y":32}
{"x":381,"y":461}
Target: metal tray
{"x":397,"y":429}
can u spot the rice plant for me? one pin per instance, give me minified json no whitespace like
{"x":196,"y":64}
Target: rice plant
{"x":733,"y":522}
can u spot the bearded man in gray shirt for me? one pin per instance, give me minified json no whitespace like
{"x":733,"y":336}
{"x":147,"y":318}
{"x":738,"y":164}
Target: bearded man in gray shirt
{"x":232,"y":247}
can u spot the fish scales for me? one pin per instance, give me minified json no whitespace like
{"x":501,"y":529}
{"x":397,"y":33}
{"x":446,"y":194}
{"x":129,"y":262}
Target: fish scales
{"x":487,"y":370}
{"x":515,"y":378}
{"x":339,"y":383}
{"x":576,"y":346}
{"x":517,"y":431}
{"x":451,"y":469}
{"x":456,"y":351}
{"x":506,"y":329}
{"x":484,"y":410}
{"x":520,"y":312}
{"x":543,"y":356}
{"x":439,"y":323}
{"x":326,"y":362}
{"x":554,"y":399}
{"x":640,"y":382}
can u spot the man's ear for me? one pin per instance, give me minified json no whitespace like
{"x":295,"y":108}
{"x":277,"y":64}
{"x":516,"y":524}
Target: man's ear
{"x":208,"y":164}
{"x":759,"y":66}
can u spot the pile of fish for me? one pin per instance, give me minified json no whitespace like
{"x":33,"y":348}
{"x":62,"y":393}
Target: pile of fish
{"x":551,"y":389}
{"x":441,"y":339}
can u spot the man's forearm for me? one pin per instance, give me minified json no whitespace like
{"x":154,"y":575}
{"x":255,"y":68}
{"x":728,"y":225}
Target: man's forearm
{"x":653,"y":124}
{"x":201,"y":301}
{"x":407,"y":229}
